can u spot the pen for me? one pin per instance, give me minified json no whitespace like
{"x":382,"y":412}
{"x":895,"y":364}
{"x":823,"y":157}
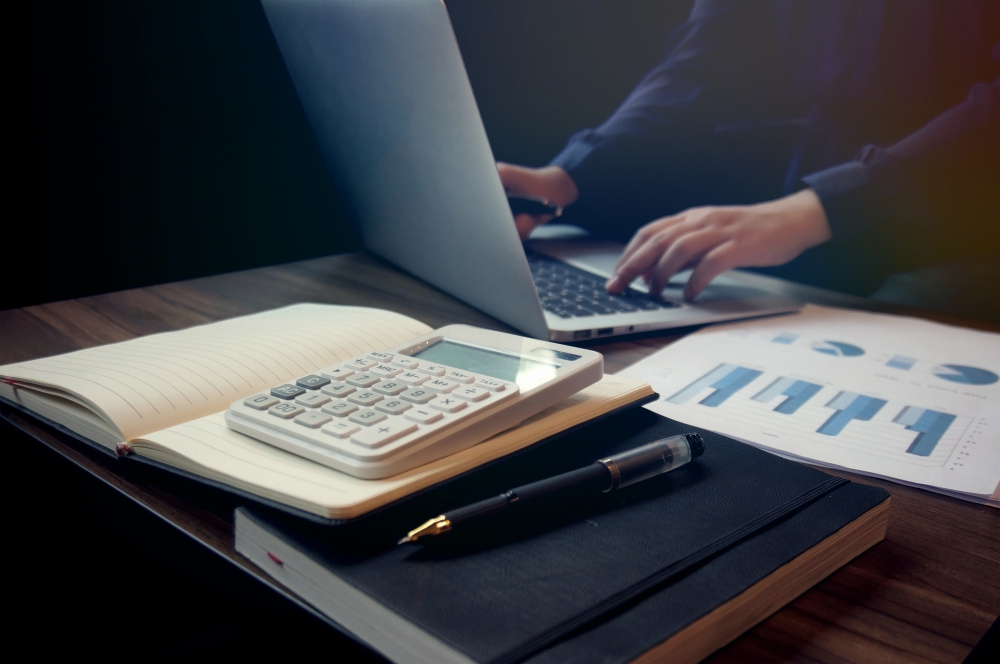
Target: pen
{"x":603,"y":476}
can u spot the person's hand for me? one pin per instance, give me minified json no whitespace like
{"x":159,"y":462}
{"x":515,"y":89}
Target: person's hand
{"x":712,"y":240}
{"x":549,"y":182}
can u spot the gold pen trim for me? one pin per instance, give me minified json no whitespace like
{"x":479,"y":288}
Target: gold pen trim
{"x":436,"y":526}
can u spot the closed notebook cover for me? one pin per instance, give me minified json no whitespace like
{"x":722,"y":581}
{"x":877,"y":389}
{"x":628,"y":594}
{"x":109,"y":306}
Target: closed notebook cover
{"x":507,"y":594}
{"x":637,"y":626}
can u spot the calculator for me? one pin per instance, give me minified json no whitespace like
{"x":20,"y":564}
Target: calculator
{"x":388,"y":411}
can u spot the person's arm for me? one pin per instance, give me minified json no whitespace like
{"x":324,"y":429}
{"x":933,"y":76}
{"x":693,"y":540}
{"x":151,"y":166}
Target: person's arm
{"x":933,"y":192}
{"x":711,"y":240}
{"x":722,"y":63}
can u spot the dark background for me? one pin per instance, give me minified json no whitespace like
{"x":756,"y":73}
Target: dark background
{"x":153,"y":140}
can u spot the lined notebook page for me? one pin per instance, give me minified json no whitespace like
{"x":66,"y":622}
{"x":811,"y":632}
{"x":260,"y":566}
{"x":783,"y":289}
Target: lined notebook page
{"x":153,"y":382}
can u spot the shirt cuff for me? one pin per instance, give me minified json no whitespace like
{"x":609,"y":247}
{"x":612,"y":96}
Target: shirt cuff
{"x":577,"y":149}
{"x":873,"y":193}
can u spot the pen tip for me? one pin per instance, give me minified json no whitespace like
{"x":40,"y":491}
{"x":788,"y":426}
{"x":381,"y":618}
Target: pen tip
{"x":436,"y":526}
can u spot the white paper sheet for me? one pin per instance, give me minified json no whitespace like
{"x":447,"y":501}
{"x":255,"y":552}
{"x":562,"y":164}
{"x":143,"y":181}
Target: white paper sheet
{"x":896,"y":397}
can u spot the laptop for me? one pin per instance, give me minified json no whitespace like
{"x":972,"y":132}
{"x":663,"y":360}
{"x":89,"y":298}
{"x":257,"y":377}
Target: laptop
{"x":384,"y":87}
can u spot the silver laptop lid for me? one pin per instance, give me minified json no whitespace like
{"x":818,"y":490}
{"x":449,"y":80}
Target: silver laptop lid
{"x":384,"y":87}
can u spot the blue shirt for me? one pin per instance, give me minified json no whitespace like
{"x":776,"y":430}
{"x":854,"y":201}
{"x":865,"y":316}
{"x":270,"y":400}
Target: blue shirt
{"x":888,"y":109}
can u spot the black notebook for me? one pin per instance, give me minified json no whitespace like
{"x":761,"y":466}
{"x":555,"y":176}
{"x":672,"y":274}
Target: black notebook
{"x":676,"y":566}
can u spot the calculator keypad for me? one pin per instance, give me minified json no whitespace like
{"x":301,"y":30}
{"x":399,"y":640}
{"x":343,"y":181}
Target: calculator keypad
{"x":376,"y":404}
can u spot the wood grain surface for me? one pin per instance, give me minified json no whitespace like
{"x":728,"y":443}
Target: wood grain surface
{"x":928,"y":593}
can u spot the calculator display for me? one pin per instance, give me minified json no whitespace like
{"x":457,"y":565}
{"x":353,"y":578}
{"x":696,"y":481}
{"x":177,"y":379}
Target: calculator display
{"x":526,"y":372}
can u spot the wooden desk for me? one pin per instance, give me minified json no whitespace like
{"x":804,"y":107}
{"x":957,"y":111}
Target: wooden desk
{"x":927,"y":593}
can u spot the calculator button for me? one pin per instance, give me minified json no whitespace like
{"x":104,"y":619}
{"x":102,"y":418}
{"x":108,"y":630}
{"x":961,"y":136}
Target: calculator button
{"x":418,"y":395}
{"x":313,"y":419}
{"x":339,"y":408}
{"x":286,"y":411}
{"x":383,"y":433}
{"x":312,"y":399}
{"x":337,"y":372}
{"x":363,"y":379}
{"x":460,"y":377}
{"x":470,"y":393}
{"x":338,"y":390}
{"x":432,"y":369}
{"x":366,"y":398}
{"x":287,"y":391}
{"x":423,"y":415}
{"x":412,"y":378}
{"x":405,"y":362}
{"x":312,"y":382}
{"x":340,"y":429}
{"x":260,"y":401}
{"x":447,"y":404}
{"x":389,"y":387}
{"x":385,"y":371}
{"x":380,"y":356}
{"x":361,"y":363}
{"x":491,"y":384}
{"x":393,"y":406}
{"x":367,"y":417}
{"x":440,"y":385}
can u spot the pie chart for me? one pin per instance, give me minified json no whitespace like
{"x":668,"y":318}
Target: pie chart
{"x":958,"y":373}
{"x":837,"y":348}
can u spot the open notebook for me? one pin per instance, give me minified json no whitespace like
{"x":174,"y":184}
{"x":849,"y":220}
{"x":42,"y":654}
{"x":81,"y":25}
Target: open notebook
{"x":160,"y":400}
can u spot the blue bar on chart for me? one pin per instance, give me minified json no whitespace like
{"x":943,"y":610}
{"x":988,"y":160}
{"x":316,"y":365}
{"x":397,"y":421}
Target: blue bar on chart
{"x":725,"y":379}
{"x":901,"y":362}
{"x":850,"y":406}
{"x":931,"y":425}
{"x":785,"y":338}
{"x":797,"y":391}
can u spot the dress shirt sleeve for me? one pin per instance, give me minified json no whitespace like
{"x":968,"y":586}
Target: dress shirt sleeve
{"x":935,"y":189}
{"x":722,"y":66}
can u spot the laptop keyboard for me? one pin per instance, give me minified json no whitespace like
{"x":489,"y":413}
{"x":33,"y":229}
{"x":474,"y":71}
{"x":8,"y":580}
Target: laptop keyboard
{"x":567,"y":291}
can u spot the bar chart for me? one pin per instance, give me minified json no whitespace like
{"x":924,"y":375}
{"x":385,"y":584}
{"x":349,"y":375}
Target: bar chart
{"x":930,"y":424}
{"x":797,"y":393}
{"x":787,"y":396}
{"x":724,"y":381}
{"x":849,"y":406}
{"x":845,"y":390}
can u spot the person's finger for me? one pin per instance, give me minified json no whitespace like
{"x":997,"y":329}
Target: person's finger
{"x":643,"y":251}
{"x":644,"y":235}
{"x":641,"y":258}
{"x":660,"y":257}
{"x":683,"y":252}
{"x":721,"y":258}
